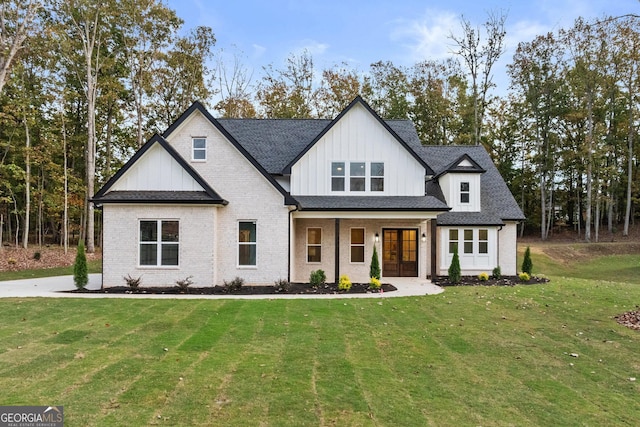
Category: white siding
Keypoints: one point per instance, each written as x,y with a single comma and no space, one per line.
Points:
358,137
508,249
450,184
156,170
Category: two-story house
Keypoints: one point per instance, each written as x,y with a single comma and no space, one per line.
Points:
267,199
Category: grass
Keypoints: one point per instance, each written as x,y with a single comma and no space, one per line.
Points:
488,356
94,266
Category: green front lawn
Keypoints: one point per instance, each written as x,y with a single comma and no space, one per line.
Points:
94,266
471,356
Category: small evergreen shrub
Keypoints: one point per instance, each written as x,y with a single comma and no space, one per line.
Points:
37,256
282,285
317,278
454,269
233,286
344,284
374,268
133,282
524,276
483,276
527,265
496,274
185,283
80,271
374,283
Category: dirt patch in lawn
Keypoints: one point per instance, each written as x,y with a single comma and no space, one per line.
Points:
35,258
293,289
630,319
584,252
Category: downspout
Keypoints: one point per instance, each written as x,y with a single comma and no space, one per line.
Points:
498,244
289,244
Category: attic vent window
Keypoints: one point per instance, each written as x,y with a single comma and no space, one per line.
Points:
464,192
199,149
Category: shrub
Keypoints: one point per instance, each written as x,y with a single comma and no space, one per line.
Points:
37,255
344,284
11,261
483,276
496,274
454,269
80,272
374,269
282,285
234,286
374,283
524,276
185,283
133,282
527,265
317,278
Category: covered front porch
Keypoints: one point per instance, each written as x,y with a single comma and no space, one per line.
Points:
342,243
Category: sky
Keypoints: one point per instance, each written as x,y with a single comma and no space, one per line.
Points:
361,32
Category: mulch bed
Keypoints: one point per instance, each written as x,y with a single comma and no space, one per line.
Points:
294,289
502,281
630,319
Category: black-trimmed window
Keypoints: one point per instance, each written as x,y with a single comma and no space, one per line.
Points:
159,243
247,243
357,245
314,245
337,176
199,149
464,192
377,176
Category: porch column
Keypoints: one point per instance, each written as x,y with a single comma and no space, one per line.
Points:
434,249
337,246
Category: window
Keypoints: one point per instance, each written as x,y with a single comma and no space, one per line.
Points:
357,173
468,241
337,176
377,176
483,241
247,243
357,245
314,244
453,240
199,149
464,192
159,243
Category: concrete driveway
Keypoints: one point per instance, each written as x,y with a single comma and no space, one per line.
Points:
55,287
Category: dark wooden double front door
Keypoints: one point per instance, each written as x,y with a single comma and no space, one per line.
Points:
400,252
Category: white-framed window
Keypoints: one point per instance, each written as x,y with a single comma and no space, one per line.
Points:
247,244
483,241
453,240
357,245
337,176
314,245
199,152
377,176
464,192
468,241
159,243
357,176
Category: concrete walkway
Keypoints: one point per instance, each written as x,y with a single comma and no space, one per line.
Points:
54,287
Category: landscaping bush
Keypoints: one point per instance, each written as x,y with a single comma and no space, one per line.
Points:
282,285
374,268
133,282
496,273
454,269
483,276
37,255
524,276
317,278
185,283
80,271
344,284
527,265
374,283
234,286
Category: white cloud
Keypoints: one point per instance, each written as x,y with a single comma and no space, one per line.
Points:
314,47
427,37
258,51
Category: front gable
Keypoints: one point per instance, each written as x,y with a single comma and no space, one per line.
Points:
372,159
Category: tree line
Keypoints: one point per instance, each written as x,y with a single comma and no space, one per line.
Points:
83,84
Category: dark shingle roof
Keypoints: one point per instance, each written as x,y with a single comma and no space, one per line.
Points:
198,197
497,201
371,203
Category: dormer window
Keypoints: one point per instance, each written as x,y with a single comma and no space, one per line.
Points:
199,152
464,192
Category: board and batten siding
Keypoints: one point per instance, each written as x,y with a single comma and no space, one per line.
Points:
156,170
450,184
358,137
251,197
